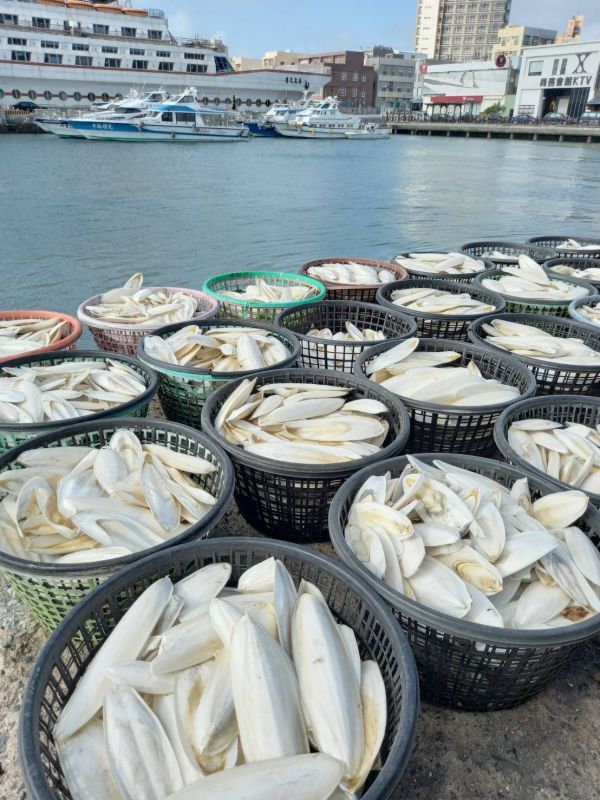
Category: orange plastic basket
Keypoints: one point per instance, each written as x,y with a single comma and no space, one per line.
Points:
67,342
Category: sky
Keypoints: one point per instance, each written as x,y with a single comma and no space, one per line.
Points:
250,27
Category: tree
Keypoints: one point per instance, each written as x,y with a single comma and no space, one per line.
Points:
497,108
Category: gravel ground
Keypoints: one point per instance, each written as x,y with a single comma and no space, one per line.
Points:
548,749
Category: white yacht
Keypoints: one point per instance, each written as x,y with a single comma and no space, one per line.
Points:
323,120
135,106
369,131
68,54
181,119
280,113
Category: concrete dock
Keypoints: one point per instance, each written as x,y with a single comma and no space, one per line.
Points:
584,134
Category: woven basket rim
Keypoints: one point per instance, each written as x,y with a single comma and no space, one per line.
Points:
164,368
289,276
531,319
293,469
502,637
529,301
454,344
93,322
62,344
581,239
101,569
574,312
395,268
513,413
79,355
499,243
454,287
575,261
487,265
397,312
401,746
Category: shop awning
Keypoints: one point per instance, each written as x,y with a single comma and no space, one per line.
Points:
454,100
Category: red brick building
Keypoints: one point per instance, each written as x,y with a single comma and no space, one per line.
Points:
351,81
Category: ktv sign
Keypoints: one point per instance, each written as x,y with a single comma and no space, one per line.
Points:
573,70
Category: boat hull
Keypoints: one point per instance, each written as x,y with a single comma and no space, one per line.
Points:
124,132
59,127
258,130
308,132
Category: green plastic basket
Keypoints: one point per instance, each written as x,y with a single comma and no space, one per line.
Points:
516,305
12,435
260,312
183,390
51,590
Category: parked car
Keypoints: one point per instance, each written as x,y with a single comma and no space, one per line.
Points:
556,118
26,105
524,119
493,118
468,118
590,118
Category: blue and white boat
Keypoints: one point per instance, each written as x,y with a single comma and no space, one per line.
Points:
279,113
181,119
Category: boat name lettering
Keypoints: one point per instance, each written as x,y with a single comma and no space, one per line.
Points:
105,126
290,79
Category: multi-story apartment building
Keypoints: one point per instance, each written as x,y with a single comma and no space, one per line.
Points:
513,38
573,32
352,81
459,30
395,73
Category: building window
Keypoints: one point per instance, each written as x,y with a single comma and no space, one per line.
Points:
18,42
62,96
194,56
52,58
110,49
165,66
155,34
355,76
81,47
196,68
47,95
40,22
563,66
20,55
363,77
555,64
77,97
32,94
344,76
163,54
9,19
16,94
139,64
113,63
535,67
343,91
83,61
50,45
354,92
135,51
91,97
101,29
363,95
105,97
131,32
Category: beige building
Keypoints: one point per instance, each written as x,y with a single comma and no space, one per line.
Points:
453,30
243,63
513,38
281,58
573,32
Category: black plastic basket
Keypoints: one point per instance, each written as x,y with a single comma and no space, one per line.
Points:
69,651
565,408
415,273
290,501
454,429
551,376
442,326
460,663
50,590
577,262
333,314
183,390
554,241
575,313
13,434
522,305
515,249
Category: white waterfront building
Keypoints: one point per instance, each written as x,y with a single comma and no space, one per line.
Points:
65,53
558,77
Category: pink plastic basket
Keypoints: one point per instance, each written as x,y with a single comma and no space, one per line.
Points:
114,337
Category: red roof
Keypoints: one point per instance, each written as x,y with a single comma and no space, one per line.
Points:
454,99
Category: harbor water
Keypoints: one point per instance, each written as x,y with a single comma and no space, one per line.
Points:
79,217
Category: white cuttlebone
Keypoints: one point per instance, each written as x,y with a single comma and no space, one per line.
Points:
214,722
436,585
284,597
539,603
186,645
140,676
160,500
374,705
367,547
199,588
124,644
349,638
488,532
524,550
328,684
165,708
435,535
305,777
182,461
259,577
482,609
373,514
560,509
584,554
265,691
94,554
392,356
236,399
140,754
473,568
84,761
